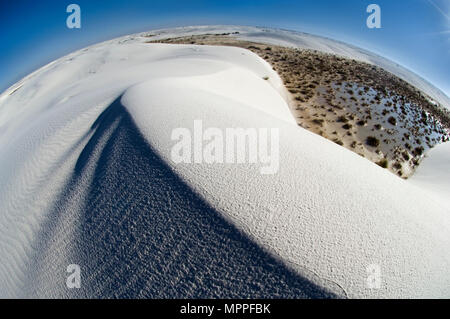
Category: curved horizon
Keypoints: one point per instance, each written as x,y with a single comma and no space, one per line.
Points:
413,34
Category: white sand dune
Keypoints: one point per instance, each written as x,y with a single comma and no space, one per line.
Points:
434,173
87,178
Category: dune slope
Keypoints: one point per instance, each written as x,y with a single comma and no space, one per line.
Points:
142,233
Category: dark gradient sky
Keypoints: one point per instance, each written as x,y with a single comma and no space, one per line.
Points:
415,33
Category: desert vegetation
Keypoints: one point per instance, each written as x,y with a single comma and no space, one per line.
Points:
356,105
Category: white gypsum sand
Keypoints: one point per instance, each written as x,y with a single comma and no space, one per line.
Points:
328,214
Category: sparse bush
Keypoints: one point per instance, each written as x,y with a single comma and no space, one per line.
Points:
383,163
347,126
361,123
418,151
392,120
342,119
405,156
372,141
318,121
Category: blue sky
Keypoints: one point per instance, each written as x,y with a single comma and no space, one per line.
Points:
414,33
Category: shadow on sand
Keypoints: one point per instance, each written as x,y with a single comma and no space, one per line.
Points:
138,231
